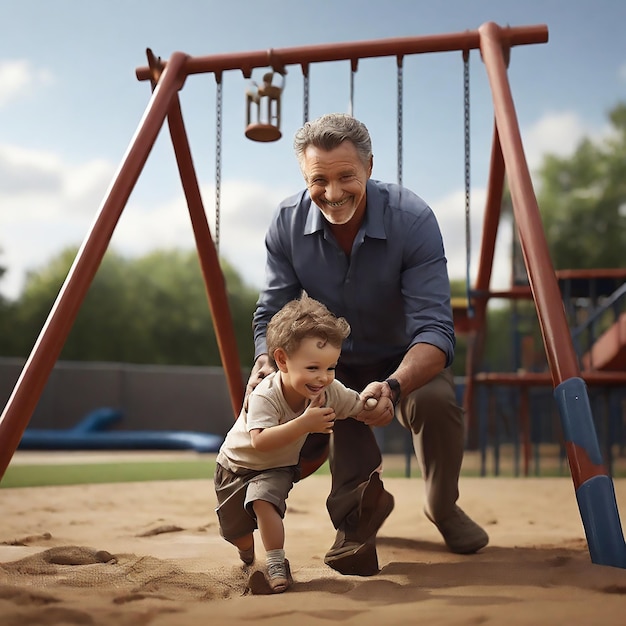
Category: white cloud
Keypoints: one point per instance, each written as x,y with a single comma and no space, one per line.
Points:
49,204
19,78
554,133
245,212
25,171
52,205
450,212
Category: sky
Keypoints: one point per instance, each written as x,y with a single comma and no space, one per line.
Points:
70,104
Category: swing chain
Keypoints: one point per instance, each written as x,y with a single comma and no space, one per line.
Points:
305,94
466,125
218,157
400,82
354,63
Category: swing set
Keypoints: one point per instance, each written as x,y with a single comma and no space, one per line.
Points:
593,485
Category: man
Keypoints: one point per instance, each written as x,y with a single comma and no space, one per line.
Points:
372,252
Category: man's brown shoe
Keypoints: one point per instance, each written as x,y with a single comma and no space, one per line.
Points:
461,534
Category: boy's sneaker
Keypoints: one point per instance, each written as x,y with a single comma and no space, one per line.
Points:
278,577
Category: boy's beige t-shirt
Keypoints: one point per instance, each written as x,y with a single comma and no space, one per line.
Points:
267,407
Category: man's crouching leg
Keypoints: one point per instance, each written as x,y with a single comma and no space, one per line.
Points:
354,550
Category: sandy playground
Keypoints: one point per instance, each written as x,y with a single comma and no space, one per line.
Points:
150,554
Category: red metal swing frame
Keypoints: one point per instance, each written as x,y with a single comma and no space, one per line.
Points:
168,77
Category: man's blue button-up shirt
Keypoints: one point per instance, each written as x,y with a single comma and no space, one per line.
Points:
393,289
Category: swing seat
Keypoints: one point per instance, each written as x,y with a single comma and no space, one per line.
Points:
263,132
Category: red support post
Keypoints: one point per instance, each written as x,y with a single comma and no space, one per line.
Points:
594,488
556,335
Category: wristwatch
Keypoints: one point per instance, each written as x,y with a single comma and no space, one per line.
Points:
394,385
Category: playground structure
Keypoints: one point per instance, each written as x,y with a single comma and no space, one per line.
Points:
514,405
92,433
593,485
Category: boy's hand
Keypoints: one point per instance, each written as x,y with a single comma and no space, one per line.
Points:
317,418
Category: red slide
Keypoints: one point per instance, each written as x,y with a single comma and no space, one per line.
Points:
609,351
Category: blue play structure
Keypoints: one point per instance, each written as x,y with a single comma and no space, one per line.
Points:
91,434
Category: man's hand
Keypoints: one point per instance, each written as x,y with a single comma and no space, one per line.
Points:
262,367
383,412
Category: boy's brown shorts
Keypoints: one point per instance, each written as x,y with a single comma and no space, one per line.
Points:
237,491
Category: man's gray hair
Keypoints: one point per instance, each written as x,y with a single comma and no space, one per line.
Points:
330,130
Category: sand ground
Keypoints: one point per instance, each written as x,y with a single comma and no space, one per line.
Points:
150,554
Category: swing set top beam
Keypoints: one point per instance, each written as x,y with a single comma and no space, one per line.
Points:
280,58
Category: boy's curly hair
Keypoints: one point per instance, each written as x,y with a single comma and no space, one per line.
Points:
305,317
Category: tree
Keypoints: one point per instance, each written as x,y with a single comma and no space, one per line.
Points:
148,310
5,313
583,201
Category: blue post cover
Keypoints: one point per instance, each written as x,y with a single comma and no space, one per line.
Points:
596,494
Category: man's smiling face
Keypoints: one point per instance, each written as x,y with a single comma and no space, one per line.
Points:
336,180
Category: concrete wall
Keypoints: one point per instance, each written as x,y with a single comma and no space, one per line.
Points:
151,397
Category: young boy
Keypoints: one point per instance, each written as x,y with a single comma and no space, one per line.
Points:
258,461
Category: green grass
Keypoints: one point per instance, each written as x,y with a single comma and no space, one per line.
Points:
44,475
39,475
